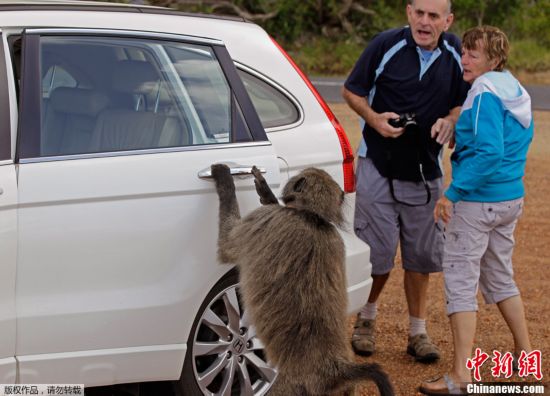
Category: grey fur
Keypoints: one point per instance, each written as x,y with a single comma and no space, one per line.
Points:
291,267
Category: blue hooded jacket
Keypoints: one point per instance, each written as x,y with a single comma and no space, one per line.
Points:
492,135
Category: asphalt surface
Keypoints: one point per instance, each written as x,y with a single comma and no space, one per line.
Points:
330,88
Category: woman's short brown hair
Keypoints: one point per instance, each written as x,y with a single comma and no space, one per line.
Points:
495,43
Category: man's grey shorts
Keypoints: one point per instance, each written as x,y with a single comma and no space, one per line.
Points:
479,241
382,223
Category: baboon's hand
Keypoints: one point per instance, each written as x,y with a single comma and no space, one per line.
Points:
222,176
262,188
220,171
258,178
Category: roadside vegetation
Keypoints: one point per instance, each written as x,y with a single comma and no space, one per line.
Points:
325,37
324,56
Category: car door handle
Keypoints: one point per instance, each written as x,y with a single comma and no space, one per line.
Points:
236,170
1,191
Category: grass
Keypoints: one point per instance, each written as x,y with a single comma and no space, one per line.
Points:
529,56
323,56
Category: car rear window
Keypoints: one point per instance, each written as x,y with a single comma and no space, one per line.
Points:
274,108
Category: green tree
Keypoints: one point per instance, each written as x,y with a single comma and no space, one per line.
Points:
520,19
327,36
291,20
534,22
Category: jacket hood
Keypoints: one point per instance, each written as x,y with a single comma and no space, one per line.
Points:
507,88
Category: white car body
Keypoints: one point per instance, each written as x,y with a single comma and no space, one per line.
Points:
105,260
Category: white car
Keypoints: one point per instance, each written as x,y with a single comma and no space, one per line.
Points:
110,117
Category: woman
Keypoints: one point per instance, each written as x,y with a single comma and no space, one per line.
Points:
484,201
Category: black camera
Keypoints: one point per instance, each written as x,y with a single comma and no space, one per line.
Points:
403,121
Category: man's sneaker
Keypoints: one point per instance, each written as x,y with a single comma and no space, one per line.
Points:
362,340
423,349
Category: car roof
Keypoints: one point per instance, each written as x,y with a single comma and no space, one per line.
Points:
81,5
248,43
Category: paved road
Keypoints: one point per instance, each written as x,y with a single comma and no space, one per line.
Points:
329,88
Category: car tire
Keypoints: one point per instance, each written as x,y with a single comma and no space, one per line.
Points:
224,356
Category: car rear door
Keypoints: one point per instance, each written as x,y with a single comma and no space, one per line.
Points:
118,216
8,228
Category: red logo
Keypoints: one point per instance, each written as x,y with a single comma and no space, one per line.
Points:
503,364
530,363
527,364
476,362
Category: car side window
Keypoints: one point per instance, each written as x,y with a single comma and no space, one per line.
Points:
107,94
274,108
56,77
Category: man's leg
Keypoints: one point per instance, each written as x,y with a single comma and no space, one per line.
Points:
421,250
376,224
363,340
378,283
416,292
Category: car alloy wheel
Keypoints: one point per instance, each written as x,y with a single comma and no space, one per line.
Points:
226,355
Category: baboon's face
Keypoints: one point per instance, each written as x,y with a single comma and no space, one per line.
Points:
315,190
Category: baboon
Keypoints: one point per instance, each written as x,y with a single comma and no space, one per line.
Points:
291,268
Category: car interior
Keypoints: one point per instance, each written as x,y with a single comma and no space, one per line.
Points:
104,94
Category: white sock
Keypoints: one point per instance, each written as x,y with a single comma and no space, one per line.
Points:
369,311
416,326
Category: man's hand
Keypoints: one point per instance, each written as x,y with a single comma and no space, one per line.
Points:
379,121
443,209
443,131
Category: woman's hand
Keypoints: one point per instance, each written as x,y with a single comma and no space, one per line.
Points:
443,209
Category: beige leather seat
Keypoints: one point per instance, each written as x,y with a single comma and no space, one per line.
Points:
70,119
137,123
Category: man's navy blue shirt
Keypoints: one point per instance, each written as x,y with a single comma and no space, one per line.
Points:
391,74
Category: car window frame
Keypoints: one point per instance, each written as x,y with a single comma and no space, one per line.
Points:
279,88
5,126
244,131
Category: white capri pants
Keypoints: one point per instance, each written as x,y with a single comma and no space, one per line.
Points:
479,242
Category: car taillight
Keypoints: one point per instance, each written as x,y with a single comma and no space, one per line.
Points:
347,152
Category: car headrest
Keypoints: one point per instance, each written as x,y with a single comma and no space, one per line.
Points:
78,101
193,68
135,77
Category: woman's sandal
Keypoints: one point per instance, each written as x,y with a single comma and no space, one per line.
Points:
451,387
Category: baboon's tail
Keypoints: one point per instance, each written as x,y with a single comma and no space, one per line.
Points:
357,372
